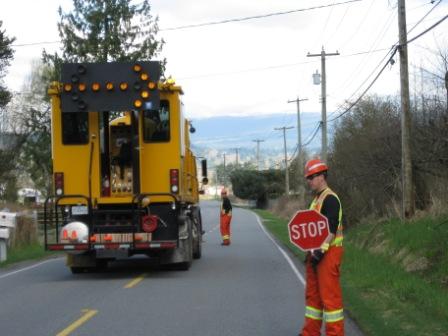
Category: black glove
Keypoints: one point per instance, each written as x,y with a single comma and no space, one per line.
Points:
316,257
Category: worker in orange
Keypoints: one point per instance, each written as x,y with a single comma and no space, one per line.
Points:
225,218
323,290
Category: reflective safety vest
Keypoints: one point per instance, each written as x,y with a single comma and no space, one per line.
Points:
316,204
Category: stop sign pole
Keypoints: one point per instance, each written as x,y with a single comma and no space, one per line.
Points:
308,229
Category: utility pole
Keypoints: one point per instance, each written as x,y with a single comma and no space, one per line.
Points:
299,140
286,157
258,152
224,175
406,163
324,99
446,87
236,157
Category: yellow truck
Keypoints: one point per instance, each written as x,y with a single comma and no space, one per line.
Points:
125,178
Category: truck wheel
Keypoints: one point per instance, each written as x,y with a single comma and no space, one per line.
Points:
183,266
197,242
197,234
77,270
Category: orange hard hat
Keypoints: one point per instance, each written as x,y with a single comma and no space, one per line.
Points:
223,191
315,166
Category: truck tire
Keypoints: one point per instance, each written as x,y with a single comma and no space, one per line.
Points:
78,270
197,234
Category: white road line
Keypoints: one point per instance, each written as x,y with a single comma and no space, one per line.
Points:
27,268
288,259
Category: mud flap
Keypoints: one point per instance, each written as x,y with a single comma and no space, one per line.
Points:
182,256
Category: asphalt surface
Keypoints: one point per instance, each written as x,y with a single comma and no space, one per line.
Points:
253,287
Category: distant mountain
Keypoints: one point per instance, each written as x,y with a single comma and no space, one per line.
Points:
218,135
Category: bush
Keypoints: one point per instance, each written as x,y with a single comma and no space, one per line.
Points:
365,160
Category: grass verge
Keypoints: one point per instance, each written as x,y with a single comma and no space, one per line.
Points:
380,294
21,253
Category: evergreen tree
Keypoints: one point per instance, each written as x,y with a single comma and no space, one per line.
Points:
104,31
6,55
7,141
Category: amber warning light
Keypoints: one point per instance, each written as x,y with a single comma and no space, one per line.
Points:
112,86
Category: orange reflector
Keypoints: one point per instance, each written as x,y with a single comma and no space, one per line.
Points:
108,237
138,237
137,103
151,85
95,86
82,87
67,87
145,94
137,67
74,235
109,86
93,238
64,234
123,86
144,76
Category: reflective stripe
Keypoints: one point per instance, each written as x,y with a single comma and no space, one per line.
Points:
316,165
226,237
313,313
334,316
316,204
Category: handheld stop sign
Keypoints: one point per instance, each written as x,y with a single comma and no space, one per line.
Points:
308,229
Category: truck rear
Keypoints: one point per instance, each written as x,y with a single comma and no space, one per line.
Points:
125,178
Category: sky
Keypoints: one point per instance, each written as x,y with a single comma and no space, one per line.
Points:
253,67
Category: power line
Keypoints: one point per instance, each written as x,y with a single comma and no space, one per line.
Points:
427,30
395,49
367,89
34,43
338,26
326,23
429,12
273,66
319,124
256,16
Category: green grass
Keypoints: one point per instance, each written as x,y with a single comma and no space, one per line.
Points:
278,227
22,253
379,294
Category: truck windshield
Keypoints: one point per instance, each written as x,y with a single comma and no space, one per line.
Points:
156,123
75,130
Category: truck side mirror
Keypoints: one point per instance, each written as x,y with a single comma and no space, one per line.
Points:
204,171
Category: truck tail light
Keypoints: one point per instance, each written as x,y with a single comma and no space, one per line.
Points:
174,180
59,183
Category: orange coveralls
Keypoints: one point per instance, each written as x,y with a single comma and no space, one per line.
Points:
323,291
225,218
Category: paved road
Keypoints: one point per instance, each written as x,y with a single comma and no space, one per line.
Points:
249,288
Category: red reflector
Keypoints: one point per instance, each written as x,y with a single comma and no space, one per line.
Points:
59,183
149,223
174,180
155,245
62,247
55,247
167,245
141,245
